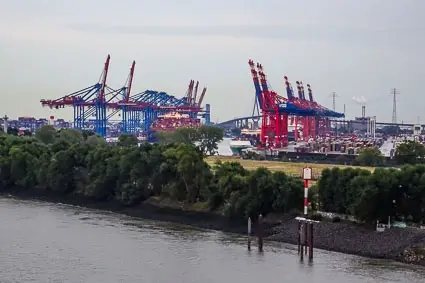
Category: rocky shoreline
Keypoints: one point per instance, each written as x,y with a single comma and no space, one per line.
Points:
404,245
394,243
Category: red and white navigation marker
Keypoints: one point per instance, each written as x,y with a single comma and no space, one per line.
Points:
307,175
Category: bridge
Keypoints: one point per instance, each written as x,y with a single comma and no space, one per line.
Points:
252,122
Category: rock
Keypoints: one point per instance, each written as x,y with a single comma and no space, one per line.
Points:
356,239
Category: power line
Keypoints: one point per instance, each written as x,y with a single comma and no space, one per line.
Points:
394,92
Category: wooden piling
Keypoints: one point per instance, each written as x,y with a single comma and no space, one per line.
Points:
305,236
302,242
260,233
299,237
249,233
310,244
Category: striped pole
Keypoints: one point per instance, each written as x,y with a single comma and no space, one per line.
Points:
305,197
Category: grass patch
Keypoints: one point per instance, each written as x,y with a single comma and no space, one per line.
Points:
287,167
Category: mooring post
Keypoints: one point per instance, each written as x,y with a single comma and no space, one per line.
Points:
260,233
249,233
302,234
310,242
306,236
299,237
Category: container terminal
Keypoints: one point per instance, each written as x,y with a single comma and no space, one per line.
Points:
292,124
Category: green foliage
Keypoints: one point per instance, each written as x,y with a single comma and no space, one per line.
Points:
80,163
370,157
46,134
398,193
126,140
410,152
206,138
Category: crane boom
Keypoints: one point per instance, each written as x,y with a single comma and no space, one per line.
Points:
201,98
289,90
258,90
310,93
302,90
130,82
104,76
300,94
189,92
193,101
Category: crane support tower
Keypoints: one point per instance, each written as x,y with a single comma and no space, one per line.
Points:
95,105
276,111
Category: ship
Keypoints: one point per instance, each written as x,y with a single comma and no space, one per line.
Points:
238,144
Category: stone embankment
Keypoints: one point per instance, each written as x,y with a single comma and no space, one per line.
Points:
407,245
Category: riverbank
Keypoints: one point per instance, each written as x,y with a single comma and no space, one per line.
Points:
404,245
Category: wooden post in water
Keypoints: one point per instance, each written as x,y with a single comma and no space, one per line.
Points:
260,233
305,236
299,237
302,242
310,242
249,233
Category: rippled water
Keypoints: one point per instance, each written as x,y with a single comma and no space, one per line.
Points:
42,242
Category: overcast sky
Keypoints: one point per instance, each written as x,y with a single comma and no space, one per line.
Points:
49,48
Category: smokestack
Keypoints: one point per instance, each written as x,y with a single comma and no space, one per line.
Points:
5,124
52,121
363,111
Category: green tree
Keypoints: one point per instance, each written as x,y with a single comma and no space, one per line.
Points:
70,136
370,156
190,168
12,131
126,140
46,134
95,140
410,152
209,137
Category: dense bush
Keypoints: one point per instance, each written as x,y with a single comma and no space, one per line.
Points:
71,162
398,193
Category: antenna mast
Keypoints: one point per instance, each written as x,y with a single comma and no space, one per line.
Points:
394,92
334,96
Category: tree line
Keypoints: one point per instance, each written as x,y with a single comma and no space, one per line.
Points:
71,162
398,193
80,163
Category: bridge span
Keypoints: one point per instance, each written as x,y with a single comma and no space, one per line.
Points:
252,122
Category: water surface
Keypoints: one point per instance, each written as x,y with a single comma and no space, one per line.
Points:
42,242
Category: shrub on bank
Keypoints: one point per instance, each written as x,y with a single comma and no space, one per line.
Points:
398,193
68,162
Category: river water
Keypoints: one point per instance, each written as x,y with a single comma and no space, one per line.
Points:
224,147
44,242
